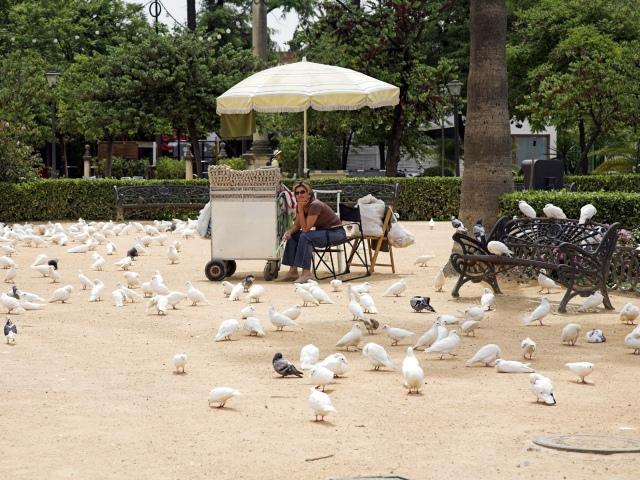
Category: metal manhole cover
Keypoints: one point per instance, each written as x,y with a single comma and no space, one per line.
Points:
590,443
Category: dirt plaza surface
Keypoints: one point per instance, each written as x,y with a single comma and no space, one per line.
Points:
89,390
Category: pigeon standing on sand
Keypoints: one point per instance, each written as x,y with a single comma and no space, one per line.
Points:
439,280
309,356
431,224
320,376
632,340
236,291
336,285
284,367
412,372
377,355
247,282
247,311
253,326
488,299
487,355
528,347
10,331
279,320
427,337
293,312
591,302
570,333
420,303
255,292
97,291
445,346
469,326
337,363
61,294
539,313
542,388
221,395
396,334
629,313
582,369
423,260
352,338
320,404
396,289
306,297
179,362
545,282
226,329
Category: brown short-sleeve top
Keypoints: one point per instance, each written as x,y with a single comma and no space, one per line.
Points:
327,218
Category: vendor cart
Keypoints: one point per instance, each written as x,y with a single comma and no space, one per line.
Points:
249,215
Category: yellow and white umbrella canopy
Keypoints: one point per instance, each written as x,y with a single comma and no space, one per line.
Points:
296,87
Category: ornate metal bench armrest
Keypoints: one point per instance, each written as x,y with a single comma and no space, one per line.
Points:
469,245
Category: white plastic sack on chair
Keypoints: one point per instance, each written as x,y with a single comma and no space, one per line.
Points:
372,215
399,236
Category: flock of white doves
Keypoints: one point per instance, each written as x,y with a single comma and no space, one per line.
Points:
438,339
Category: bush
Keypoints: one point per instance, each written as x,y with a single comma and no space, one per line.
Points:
322,153
436,172
17,160
237,163
169,168
122,167
69,199
615,166
612,207
629,182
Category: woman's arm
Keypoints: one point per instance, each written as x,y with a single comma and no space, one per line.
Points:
305,221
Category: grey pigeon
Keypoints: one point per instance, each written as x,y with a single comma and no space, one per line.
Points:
457,224
10,327
247,282
284,367
420,303
478,232
15,293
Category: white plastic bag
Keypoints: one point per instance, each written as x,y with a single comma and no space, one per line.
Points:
204,221
372,215
399,236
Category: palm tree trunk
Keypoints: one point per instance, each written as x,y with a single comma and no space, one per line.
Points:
487,142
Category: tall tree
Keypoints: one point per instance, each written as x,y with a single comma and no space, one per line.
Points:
487,161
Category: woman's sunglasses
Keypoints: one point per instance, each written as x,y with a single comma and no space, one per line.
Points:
300,192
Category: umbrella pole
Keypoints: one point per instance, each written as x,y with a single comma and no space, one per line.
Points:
304,142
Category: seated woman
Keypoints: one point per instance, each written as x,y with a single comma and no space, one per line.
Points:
316,225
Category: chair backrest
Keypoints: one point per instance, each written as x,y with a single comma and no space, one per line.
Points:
351,192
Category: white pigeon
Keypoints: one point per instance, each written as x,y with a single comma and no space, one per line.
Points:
320,404
396,289
253,326
431,224
364,287
84,280
439,281
469,326
6,262
582,369
226,329
423,260
337,363
368,304
551,211
526,209
160,303
320,376
227,287
632,340
179,362
111,248
446,345
542,388
377,355
221,395
539,313
336,285
293,312
30,297
172,255
587,212
474,313
445,319
27,305
427,337
124,263
43,269
279,320
61,294
487,355
309,356
546,282
320,295
498,248
570,333
306,297
591,302
236,291
84,248
40,260
118,297
174,298
352,338
356,309
98,262
412,372
132,278
9,302
54,274
629,313
147,289
11,274
396,334
158,286
255,293
528,347
512,366
487,299
247,311
97,291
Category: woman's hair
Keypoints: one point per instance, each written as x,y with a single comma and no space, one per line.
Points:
305,185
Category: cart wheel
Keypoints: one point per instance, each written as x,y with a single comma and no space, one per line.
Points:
215,270
270,271
230,266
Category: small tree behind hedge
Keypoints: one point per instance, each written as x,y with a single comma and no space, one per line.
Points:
17,160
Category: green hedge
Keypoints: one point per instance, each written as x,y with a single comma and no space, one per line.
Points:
628,182
69,199
612,207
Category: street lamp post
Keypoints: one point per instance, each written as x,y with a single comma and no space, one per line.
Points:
52,79
455,87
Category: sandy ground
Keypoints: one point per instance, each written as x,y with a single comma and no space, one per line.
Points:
89,391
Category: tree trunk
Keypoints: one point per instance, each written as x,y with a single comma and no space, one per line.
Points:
395,138
487,159
584,159
195,147
346,146
64,156
109,161
383,156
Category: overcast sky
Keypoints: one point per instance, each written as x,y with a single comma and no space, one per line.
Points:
178,9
